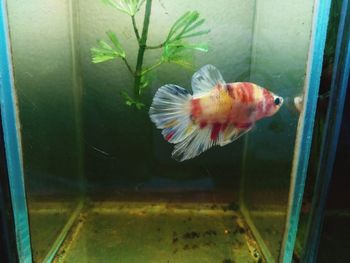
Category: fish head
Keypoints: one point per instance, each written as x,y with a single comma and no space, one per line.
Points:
274,103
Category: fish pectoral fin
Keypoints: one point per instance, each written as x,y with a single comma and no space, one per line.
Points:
232,133
205,79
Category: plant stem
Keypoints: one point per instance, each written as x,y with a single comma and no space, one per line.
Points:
155,47
152,67
128,66
142,43
135,29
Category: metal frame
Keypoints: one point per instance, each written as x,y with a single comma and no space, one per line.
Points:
13,142
8,248
340,83
305,127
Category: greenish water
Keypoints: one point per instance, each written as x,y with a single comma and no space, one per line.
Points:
81,142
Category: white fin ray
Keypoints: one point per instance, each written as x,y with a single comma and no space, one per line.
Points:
170,111
205,79
231,134
200,140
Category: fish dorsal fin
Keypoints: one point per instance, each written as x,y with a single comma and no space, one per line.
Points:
206,79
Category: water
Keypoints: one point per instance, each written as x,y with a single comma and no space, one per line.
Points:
100,171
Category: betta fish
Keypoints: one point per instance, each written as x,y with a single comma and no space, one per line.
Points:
216,114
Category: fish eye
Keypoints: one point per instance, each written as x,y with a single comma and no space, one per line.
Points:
277,101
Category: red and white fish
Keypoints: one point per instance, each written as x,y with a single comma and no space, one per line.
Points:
216,114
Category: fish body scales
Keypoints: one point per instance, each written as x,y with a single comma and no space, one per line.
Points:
235,103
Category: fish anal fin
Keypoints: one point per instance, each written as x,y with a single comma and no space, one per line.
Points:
203,138
215,130
246,125
193,145
232,133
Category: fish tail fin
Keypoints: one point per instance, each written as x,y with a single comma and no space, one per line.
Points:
170,111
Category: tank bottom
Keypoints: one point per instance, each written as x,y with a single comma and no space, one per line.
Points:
111,231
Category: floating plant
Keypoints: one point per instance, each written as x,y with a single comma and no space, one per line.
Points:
175,47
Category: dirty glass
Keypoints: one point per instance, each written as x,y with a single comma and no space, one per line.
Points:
45,84
279,58
99,173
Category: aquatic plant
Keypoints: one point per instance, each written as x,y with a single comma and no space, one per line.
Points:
175,47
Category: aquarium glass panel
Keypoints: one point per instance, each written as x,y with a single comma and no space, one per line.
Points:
279,58
123,147
46,90
86,75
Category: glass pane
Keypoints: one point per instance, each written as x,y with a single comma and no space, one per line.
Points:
279,59
305,225
128,162
45,86
82,128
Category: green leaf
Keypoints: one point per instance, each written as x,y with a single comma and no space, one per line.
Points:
105,52
196,34
112,36
144,83
110,2
131,102
195,25
177,53
182,53
178,23
101,58
190,21
139,105
203,47
146,80
102,53
177,48
185,27
103,45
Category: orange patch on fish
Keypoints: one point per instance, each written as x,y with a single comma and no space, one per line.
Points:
196,108
215,131
248,89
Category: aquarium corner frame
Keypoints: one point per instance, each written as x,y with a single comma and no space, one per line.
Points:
305,126
340,84
12,141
